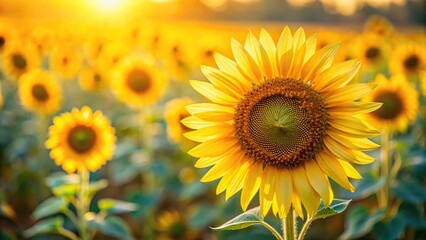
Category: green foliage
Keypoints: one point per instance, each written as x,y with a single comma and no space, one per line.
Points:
50,225
365,187
360,221
337,206
49,207
116,206
111,226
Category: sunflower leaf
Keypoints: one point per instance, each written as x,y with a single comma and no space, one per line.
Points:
111,226
336,207
116,206
50,225
50,206
247,219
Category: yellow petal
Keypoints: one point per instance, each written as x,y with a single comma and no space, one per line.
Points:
267,188
298,39
197,123
251,184
347,93
297,205
332,168
320,61
284,192
223,81
307,194
297,63
354,108
245,62
270,48
336,76
361,144
210,133
213,94
229,68
222,167
214,147
319,181
350,170
311,46
257,52
237,183
352,126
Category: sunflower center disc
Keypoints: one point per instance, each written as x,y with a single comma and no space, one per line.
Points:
372,53
39,92
411,63
19,61
97,78
392,105
81,138
138,80
281,123
2,41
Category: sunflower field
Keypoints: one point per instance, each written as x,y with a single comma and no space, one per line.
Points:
211,120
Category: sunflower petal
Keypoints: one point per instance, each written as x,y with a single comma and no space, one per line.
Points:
318,181
307,194
270,48
223,166
214,147
284,190
267,188
223,81
336,76
332,168
212,93
245,62
210,133
229,67
257,52
350,170
238,181
320,61
197,123
347,93
251,184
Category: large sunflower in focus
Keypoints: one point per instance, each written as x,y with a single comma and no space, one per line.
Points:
283,119
81,138
408,59
400,103
138,83
40,92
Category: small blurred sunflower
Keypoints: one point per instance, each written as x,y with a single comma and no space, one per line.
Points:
174,113
40,92
66,59
171,225
283,120
400,103
44,38
408,59
92,79
373,52
378,25
20,57
112,54
138,83
81,138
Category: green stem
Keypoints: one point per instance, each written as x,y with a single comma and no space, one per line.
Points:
71,216
289,226
68,234
305,228
384,170
82,208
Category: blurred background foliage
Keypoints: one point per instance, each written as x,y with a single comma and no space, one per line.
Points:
150,167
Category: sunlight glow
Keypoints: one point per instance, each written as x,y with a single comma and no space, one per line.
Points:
109,5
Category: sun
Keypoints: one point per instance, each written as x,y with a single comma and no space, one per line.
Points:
109,5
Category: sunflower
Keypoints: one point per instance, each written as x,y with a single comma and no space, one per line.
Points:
92,79
400,103
40,92
66,60
408,59
373,52
283,120
20,57
378,25
174,113
138,83
81,138
171,225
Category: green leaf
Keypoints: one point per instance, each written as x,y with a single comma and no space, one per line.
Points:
365,187
111,226
410,190
247,219
50,225
336,207
66,190
95,187
412,215
60,178
389,230
50,206
116,206
359,222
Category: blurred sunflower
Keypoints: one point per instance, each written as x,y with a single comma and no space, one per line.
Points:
44,38
283,120
40,92
111,55
174,113
92,79
20,57
7,33
81,138
138,83
66,60
408,59
400,103
378,25
373,52
171,225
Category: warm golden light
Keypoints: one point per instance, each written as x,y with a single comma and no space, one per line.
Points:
109,5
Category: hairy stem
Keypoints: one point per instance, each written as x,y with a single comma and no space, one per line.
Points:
289,226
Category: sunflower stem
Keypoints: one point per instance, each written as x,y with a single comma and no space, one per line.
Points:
305,228
384,170
82,207
289,226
